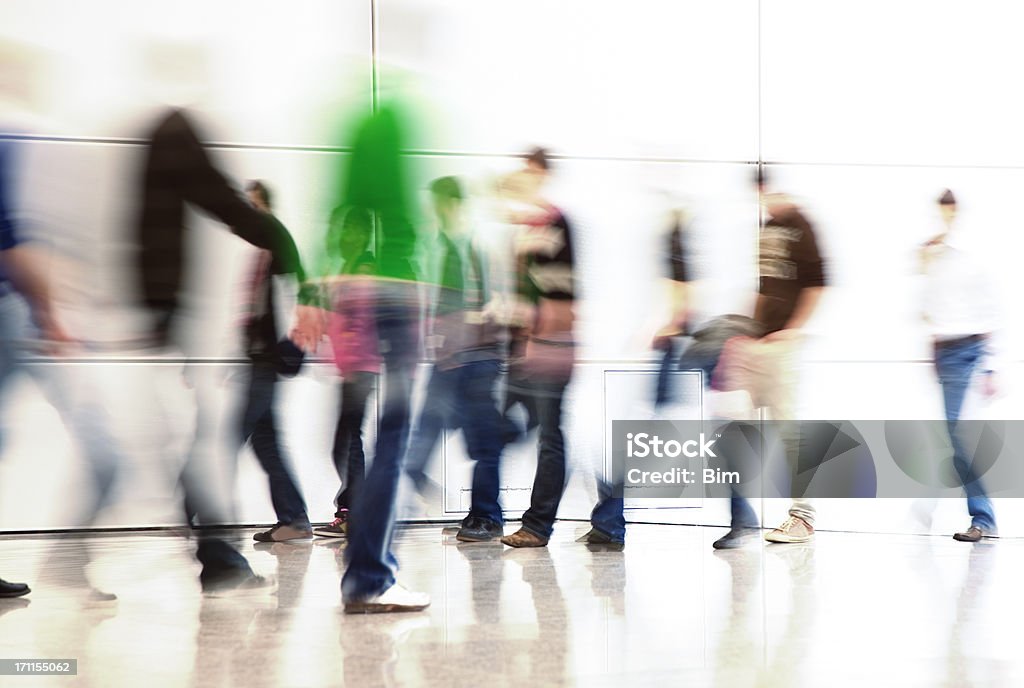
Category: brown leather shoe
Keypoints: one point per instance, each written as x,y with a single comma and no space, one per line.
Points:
972,534
282,533
524,538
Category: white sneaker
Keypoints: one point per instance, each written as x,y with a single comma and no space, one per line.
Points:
394,599
793,529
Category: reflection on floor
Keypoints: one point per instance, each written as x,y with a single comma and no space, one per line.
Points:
849,609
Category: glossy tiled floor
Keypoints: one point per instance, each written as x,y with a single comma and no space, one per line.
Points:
849,610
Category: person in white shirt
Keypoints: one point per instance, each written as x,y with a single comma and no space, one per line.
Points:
961,314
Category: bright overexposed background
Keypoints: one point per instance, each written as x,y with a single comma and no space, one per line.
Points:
863,113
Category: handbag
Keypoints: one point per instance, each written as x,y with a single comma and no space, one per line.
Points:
289,358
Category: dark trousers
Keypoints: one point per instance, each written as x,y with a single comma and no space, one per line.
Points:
349,457
371,563
549,482
260,429
463,397
518,397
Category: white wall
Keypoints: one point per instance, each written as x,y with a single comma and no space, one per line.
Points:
863,113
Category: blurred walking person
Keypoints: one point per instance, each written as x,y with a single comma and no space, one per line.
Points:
375,177
608,520
271,354
177,173
793,277
467,346
962,315
545,350
22,280
28,314
353,335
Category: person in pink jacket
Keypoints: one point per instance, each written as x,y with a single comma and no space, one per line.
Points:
353,336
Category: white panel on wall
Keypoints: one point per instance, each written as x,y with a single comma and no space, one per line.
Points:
655,78
917,82
870,223
261,72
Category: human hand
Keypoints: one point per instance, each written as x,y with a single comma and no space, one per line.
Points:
51,332
663,337
990,385
310,324
787,335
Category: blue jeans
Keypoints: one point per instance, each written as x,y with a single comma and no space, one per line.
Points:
371,564
664,390
260,429
955,364
741,514
463,397
608,516
549,481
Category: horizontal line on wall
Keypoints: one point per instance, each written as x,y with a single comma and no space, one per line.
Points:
416,152
895,165
582,361
226,145
426,153
116,141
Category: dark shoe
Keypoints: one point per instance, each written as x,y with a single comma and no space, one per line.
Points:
524,538
338,528
736,537
972,534
479,530
602,540
241,584
283,533
13,589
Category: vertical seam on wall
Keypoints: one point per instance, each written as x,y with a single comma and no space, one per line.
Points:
760,159
379,396
757,285
373,56
760,156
